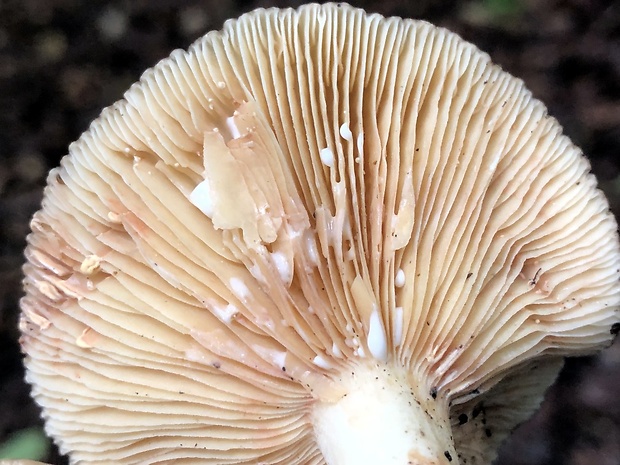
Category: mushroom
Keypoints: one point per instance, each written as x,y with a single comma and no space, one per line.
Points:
318,236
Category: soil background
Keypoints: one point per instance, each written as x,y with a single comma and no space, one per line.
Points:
62,61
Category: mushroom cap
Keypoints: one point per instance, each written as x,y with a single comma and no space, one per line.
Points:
303,193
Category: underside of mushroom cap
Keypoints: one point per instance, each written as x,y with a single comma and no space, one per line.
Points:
303,197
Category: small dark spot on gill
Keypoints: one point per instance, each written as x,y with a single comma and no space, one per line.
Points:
463,418
434,392
448,456
469,275
615,329
534,280
283,368
478,409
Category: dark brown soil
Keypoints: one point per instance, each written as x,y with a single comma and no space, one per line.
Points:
62,61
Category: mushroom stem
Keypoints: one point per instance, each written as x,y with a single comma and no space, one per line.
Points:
383,418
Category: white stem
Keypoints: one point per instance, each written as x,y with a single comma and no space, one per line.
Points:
383,418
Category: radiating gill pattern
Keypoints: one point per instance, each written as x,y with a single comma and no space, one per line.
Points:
305,192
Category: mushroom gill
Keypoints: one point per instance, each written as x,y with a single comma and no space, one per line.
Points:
315,234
